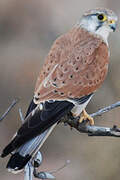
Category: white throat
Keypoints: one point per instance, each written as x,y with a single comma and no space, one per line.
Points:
90,26
104,33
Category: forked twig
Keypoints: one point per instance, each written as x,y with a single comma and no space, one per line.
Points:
9,109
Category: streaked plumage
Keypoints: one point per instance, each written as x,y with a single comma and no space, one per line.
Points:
74,69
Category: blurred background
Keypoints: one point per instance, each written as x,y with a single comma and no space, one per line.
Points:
27,31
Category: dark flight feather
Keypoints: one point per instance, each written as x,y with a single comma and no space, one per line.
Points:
37,122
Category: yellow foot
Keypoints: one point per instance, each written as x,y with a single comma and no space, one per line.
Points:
86,116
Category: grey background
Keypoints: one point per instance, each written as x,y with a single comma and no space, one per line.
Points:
27,31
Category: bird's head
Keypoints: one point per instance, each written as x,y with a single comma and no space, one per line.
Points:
100,21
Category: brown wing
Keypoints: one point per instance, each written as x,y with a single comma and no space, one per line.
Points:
75,66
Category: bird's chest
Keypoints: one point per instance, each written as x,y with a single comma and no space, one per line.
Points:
93,70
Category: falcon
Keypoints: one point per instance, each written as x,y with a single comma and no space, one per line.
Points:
74,69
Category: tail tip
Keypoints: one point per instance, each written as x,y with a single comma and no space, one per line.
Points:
14,170
17,162
2,155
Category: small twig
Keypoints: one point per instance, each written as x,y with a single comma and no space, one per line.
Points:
28,172
9,108
43,175
21,115
62,167
106,109
31,169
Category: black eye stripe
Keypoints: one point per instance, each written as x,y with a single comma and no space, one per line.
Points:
97,14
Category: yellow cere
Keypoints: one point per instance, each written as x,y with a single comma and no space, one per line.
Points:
112,21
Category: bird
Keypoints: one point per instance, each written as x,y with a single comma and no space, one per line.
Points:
74,69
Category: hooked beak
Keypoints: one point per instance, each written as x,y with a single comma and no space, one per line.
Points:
112,24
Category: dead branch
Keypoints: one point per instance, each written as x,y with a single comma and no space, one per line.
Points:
94,130
9,109
84,127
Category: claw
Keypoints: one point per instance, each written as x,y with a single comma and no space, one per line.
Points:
86,116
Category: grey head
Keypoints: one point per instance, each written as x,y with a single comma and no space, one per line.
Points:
100,21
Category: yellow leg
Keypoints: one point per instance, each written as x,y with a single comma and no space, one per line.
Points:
86,116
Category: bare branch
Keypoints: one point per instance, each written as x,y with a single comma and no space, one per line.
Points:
82,128
94,130
9,108
106,109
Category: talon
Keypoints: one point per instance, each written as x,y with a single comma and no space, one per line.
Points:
86,116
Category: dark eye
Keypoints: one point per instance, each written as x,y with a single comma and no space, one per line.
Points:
102,17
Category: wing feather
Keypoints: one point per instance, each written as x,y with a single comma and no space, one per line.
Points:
76,66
